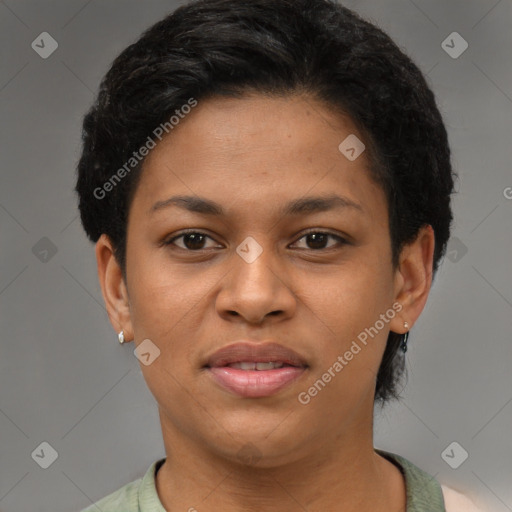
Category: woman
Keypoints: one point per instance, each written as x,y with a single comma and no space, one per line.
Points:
268,186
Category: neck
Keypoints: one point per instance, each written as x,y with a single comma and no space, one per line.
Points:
345,475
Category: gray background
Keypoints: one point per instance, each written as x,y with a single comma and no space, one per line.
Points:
64,378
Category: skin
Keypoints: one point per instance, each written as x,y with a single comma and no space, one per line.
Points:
252,156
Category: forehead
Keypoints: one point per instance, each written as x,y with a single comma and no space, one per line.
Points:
262,149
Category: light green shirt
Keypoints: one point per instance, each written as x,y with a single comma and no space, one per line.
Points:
424,493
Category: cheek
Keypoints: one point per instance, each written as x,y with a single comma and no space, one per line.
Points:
162,296
343,311
351,298
172,306
169,310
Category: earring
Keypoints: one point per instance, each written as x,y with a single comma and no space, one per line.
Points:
120,337
403,343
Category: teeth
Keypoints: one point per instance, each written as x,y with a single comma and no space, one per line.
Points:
256,366
244,366
268,366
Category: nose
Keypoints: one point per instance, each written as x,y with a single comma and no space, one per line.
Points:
256,289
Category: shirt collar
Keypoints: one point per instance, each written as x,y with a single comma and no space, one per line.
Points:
148,496
424,493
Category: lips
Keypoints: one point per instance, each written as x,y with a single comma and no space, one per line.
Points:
255,370
249,352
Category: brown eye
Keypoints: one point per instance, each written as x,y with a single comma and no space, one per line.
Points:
317,240
192,241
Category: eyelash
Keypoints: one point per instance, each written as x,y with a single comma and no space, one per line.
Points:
341,240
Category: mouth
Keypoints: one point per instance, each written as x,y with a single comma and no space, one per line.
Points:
255,370
259,365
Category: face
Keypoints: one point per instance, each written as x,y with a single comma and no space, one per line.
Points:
311,278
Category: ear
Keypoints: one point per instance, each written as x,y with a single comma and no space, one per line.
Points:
113,287
413,279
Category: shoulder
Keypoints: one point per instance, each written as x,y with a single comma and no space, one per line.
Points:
423,490
458,502
125,499
137,496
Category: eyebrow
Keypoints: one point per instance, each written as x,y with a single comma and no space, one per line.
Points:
302,206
